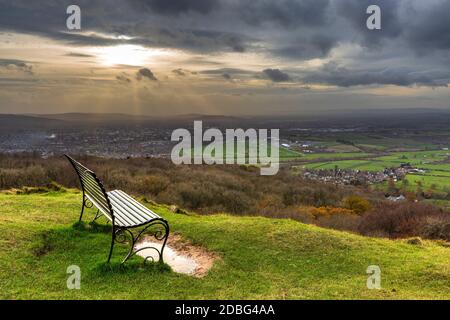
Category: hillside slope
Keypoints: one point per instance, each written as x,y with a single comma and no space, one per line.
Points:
260,259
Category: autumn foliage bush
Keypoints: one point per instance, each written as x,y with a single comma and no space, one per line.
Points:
326,212
406,219
357,204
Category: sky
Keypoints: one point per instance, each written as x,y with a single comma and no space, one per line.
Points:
228,57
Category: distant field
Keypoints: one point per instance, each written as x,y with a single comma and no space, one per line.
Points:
438,173
417,157
335,155
421,159
379,142
429,182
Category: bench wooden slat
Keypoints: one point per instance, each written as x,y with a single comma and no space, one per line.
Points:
97,194
132,205
121,208
124,205
138,205
100,207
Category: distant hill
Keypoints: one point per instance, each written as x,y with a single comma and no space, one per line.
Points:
421,119
120,119
95,117
12,122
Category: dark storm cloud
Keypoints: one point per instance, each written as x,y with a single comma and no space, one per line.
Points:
230,71
123,78
19,65
145,73
340,76
286,13
413,33
48,18
316,46
196,40
79,55
221,24
183,72
179,72
354,11
430,29
276,75
177,7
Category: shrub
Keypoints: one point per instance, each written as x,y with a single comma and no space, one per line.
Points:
437,228
153,184
405,219
322,212
357,204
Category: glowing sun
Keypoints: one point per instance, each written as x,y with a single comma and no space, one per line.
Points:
132,55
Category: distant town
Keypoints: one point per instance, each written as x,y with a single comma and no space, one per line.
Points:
103,142
360,177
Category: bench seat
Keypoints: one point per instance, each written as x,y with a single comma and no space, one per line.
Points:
127,211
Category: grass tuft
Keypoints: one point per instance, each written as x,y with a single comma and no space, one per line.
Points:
92,227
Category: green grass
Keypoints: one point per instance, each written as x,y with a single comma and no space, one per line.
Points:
260,258
429,182
417,158
421,159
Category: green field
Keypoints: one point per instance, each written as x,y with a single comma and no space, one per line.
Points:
260,258
429,182
416,158
332,156
420,159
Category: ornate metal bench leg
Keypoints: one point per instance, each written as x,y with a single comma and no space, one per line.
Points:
166,237
82,207
112,245
97,215
86,204
161,233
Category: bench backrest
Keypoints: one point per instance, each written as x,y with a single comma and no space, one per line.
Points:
93,188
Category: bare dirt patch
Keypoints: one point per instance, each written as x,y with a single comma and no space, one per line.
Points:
183,256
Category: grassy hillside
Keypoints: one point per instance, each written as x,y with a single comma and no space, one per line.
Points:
260,259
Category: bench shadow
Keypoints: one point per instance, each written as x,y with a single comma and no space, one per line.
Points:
132,266
135,264
55,241
92,227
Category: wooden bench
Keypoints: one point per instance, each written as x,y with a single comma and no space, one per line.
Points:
125,214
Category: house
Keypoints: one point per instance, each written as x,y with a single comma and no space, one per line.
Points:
396,199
